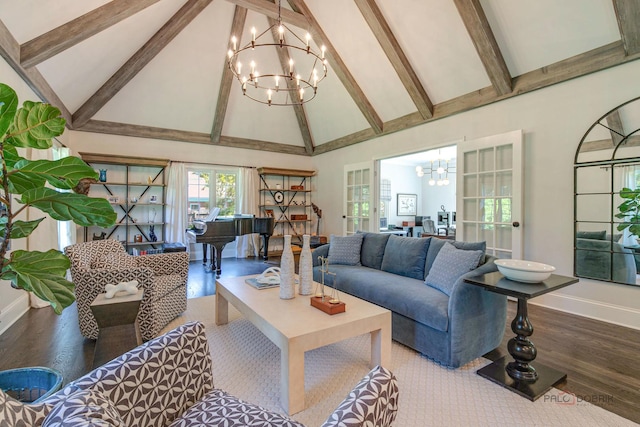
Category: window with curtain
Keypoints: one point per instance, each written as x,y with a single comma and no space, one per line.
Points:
209,188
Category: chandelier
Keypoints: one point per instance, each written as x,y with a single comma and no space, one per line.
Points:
293,83
439,170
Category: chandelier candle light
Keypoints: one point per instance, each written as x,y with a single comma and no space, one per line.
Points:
296,85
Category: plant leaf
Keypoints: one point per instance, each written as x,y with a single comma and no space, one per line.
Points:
64,173
22,229
11,156
35,124
42,273
81,209
8,107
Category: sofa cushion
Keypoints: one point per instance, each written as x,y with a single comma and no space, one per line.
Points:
116,261
437,244
218,408
372,251
345,250
449,265
403,295
405,256
83,408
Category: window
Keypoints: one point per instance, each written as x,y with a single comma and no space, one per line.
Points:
210,188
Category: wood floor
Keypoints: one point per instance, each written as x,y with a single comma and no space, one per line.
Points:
601,359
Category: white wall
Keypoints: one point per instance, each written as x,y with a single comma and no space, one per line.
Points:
433,197
403,180
553,119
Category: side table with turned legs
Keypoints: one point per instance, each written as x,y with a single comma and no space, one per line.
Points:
520,375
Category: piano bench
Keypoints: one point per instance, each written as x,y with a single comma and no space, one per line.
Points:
174,247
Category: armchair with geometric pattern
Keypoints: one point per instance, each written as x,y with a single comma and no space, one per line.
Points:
163,278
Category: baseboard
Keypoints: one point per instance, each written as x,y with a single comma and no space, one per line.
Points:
13,312
611,313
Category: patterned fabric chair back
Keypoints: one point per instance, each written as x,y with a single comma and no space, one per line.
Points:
84,255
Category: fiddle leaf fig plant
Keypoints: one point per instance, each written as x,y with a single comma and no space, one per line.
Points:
629,211
28,184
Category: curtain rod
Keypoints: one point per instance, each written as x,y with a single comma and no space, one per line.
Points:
215,164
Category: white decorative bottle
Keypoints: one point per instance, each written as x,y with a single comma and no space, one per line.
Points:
305,268
287,271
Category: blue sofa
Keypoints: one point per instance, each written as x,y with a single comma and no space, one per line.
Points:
453,327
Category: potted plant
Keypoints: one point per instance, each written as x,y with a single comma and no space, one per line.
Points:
629,211
26,183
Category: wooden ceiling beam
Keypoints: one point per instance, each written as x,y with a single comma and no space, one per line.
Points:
479,30
339,67
139,60
606,144
628,16
381,30
616,129
237,25
10,51
269,9
254,144
139,131
298,109
598,59
150,132
73,32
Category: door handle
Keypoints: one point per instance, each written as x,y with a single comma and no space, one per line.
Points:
516,224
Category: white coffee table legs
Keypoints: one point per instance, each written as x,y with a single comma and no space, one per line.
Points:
291,378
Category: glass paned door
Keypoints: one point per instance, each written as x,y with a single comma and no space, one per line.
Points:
358,198
490,203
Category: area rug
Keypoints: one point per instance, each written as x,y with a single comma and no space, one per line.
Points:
247,365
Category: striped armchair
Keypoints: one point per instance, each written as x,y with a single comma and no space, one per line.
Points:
163,277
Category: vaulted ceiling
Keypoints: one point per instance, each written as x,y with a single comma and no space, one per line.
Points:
157,69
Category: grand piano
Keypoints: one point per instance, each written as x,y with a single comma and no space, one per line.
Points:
219,232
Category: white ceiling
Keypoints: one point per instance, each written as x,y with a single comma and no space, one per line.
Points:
179,88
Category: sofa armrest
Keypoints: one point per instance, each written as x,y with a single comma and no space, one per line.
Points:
374,399
318,252
477,318
18,414
171,372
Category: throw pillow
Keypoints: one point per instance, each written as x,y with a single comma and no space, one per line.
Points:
405,256
345,250
596,235
85,407
449,265
116,261
372,252
437,244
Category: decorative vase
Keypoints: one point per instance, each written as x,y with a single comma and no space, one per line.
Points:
287,271
102,177
305,268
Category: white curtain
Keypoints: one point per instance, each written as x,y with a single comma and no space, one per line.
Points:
67,232
248,245
176,209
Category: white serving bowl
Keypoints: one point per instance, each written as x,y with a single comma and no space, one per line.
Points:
524,271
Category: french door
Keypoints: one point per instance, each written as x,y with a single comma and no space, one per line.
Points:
489,196
358,200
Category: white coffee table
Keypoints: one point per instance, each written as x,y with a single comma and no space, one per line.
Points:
296,327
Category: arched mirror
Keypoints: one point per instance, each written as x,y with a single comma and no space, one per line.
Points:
607,198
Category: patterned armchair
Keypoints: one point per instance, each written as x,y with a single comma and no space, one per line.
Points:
163,277
169,381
